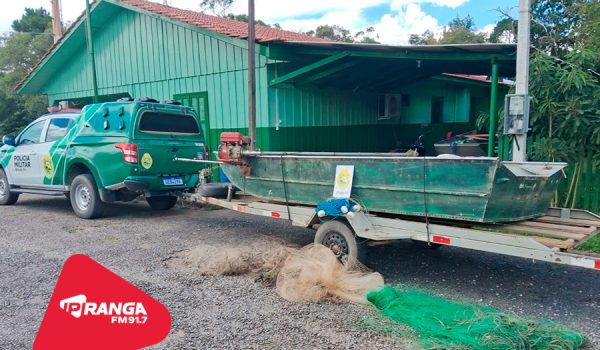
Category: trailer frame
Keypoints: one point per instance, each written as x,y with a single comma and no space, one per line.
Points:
492,238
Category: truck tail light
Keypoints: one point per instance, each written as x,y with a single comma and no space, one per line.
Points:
130,152
206,153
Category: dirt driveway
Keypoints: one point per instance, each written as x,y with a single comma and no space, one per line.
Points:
40,233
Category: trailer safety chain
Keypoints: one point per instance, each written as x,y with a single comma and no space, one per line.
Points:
285,193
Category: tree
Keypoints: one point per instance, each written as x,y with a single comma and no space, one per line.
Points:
32,21
218,7
505,31
460,30
427,38
244,18
366,36
20,51
553,24
334,32
339,33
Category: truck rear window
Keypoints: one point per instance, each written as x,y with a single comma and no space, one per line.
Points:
169,123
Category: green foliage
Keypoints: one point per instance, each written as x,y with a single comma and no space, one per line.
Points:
339,33
565,109
427,38
462,22
334,32
505,31
556,24
33,21
364,36
460,30
217,7
20,51
591,245
244,18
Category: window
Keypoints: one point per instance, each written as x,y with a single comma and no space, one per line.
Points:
32,134
58,128
169,123
437,109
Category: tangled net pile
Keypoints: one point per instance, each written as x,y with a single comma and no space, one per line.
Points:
310,274
227,261
442,324
314,273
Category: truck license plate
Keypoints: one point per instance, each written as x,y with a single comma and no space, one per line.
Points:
172,181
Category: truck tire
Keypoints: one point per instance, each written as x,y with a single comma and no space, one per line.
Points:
340,238
6,196
85,199
161,202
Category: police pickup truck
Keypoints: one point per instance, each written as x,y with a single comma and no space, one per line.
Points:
108,152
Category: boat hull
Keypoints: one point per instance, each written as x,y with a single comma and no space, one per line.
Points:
476,189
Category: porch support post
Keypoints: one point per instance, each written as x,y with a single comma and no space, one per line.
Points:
493,108
90,44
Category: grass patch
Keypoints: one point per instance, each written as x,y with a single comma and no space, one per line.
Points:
591,245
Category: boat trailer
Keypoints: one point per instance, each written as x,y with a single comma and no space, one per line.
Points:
551,238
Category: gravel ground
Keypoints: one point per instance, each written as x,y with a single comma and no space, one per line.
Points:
40,233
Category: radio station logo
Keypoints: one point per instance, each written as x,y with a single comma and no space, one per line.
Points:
129,312
93,308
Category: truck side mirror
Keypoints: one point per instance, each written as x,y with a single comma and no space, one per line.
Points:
8,140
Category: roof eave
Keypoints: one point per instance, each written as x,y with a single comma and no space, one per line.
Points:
21,87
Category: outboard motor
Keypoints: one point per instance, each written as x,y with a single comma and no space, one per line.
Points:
232,146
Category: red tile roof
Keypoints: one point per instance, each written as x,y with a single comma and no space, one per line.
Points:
231,28
225,26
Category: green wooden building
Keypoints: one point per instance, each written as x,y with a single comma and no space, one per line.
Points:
312,94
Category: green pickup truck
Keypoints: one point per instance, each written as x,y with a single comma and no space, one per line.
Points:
108,152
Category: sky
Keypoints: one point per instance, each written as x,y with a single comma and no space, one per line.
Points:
393,20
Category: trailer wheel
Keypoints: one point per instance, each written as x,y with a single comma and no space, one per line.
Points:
340,238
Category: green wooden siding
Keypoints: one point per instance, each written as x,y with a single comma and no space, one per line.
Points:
146,56
580,187
307,118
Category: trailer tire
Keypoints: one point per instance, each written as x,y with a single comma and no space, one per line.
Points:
341,239
215,189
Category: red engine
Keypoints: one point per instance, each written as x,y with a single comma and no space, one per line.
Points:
232,146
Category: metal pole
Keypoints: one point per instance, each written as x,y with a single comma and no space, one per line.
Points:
90,45
522,84
251,77
56,21
493,108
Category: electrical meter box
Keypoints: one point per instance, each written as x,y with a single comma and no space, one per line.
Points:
516,114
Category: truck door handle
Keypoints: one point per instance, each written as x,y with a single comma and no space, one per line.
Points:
32,154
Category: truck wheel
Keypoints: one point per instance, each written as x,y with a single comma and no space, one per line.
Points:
85,199
340,238
161,202
6,197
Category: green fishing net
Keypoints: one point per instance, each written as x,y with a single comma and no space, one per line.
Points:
442,324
